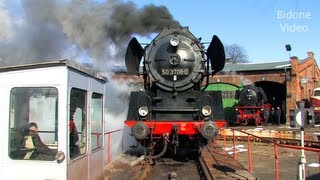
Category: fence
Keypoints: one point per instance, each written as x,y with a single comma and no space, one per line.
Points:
276,145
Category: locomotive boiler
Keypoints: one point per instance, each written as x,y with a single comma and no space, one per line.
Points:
252,107
174,110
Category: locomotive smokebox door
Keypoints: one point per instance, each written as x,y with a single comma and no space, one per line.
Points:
174,60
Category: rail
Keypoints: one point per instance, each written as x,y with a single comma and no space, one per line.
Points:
276,145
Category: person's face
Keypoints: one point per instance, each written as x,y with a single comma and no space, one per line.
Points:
34,128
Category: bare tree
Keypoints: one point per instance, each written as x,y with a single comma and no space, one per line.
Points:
236,54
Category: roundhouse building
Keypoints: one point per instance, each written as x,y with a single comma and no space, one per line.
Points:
284,82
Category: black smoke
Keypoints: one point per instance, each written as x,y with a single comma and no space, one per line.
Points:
60,29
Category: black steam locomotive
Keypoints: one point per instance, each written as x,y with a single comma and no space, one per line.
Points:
174,109
252,107
252,96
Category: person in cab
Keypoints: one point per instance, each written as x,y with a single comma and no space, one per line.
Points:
40,150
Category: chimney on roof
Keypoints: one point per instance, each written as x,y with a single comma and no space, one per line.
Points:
294,61
310,54
294,66
293,58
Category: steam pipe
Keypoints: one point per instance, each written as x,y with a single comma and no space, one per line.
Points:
162,152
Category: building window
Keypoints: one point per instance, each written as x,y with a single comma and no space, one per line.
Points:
33,123
228,94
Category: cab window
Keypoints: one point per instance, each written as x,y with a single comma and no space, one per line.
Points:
37,106
316,93
96,120
77,123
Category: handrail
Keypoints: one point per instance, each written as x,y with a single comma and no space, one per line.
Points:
110,132
109,142
276,145
279,144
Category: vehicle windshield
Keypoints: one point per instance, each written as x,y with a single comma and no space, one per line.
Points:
37,106
316,93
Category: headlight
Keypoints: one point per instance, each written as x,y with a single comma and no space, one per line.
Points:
206,110
174,41
143,111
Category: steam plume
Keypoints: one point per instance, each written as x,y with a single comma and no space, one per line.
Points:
60,29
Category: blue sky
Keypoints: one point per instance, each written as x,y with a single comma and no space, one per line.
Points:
262,27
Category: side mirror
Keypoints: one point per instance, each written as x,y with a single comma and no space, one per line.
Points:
60,157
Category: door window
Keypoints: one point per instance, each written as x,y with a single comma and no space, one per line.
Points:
77,123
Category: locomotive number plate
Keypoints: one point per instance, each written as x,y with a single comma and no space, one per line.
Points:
172,72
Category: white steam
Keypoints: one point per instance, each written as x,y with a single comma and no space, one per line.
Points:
78,29
5,23
90,31
117,101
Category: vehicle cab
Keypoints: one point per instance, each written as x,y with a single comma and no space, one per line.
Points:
315,100
63,99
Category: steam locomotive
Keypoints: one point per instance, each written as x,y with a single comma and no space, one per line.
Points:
174,110
252,107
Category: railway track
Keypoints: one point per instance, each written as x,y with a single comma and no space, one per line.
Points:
168,168
217,164
210,162
145,169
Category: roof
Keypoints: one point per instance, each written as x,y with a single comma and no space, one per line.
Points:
65,62
257,66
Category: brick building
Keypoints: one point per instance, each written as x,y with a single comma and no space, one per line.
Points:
284,82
